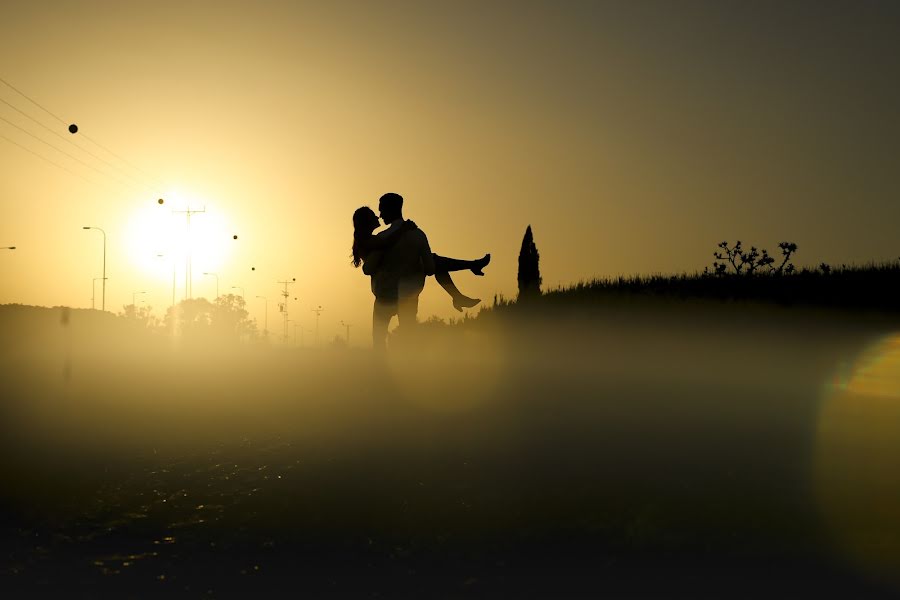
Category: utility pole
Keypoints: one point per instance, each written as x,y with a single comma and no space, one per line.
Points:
188,291
347,325
318,310
283,306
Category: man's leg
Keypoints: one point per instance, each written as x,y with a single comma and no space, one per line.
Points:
407,310
381,318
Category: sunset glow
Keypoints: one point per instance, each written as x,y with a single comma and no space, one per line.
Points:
158,236
460,299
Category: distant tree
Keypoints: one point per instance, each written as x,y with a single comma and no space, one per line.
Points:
139,316
529,268
198,318
751,261
230,318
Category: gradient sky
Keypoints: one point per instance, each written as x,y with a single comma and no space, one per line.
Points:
633,137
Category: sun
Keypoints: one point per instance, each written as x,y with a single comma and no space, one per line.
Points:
161,237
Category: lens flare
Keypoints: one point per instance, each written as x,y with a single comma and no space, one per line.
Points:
857,470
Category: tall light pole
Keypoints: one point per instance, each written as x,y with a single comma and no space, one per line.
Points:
104,264
237,287
9,247
94,290
347,325
216,275
267,315
318,310
133,299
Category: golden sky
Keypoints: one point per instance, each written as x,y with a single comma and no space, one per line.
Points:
632,136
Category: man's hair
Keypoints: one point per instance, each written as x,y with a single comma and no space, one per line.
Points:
391,202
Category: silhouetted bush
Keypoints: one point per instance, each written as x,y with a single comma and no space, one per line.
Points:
751,262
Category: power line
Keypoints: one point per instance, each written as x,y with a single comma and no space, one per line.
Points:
129,163
63,121
76,159
68,141
44,158
33,101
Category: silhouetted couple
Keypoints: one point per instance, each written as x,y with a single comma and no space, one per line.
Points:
398,259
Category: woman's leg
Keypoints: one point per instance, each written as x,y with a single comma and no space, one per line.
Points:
448,265
460,300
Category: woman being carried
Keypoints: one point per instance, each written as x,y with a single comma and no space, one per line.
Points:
368,250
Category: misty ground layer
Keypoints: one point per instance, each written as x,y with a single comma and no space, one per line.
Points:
663,452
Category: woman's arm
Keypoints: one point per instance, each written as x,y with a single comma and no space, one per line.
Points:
388,238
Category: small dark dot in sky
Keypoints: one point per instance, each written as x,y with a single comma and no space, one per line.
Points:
160,201
252,268
235,237
73,128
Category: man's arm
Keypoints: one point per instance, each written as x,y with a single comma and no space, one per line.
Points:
387,238
426,255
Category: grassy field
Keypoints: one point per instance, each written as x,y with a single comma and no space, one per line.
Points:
655,448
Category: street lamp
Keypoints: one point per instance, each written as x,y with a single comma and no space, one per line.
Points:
9,247
347,325
104,264
267,314
318,310
94,290
237,287
133,294
216,275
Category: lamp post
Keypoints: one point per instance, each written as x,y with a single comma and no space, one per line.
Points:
104,264
133,299
237,287
94,290
347,325
9,247
318,310
267,315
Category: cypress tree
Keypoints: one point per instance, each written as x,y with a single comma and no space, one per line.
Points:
529,269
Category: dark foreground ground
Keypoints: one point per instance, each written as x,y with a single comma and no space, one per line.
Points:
627,456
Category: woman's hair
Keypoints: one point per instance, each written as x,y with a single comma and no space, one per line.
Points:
362,220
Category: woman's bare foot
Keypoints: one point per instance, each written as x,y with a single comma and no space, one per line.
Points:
480,264
461,302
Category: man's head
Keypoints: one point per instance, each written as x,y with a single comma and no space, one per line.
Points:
390,206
